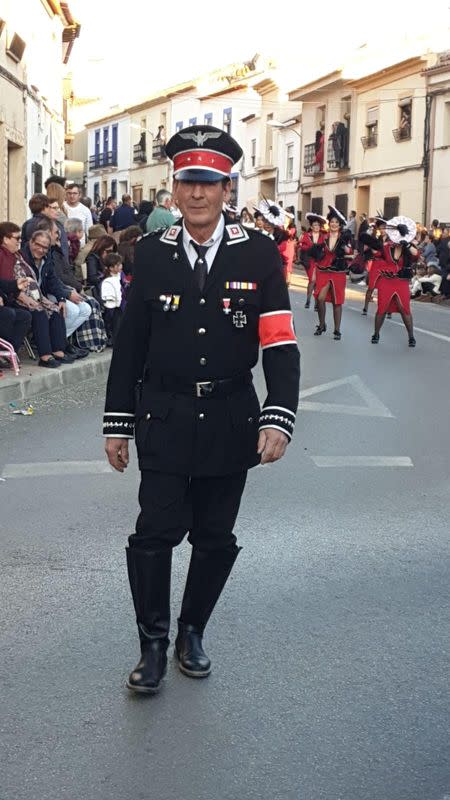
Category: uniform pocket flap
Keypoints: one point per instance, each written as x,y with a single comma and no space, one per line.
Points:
154,405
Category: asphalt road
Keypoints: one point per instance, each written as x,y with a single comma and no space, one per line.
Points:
330,644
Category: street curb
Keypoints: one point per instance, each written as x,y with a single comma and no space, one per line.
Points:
34,380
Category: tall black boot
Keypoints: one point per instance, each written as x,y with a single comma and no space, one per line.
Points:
207,576
149,574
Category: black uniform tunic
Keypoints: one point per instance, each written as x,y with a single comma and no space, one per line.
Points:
173,338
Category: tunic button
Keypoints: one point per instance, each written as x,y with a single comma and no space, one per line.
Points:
241,301
202,331
203,361
202,301
250,419
148,416
201,416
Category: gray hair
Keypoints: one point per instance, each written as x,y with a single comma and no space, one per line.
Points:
73,225
41,234
162,196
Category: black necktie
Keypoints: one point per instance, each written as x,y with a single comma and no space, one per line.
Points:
200,266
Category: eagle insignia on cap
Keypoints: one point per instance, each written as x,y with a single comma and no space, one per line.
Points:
200,138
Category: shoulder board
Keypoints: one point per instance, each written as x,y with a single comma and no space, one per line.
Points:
170,235
150,233
236,233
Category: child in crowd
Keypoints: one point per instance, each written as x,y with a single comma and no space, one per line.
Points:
111,291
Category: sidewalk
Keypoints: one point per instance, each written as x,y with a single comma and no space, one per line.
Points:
34,380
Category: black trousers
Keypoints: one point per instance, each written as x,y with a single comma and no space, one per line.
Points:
14,325
172,505
112,317
49,332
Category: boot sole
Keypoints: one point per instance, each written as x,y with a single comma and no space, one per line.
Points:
142,689
190,673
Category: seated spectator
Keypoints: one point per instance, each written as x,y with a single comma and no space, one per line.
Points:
14,322
111,291
429,282
427,248
75,234
47,322
416,285
37,253
95,232
95,263
124,216
127,243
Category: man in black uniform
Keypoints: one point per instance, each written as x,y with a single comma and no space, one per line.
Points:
206,294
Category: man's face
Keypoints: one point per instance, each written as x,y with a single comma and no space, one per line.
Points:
39,247
72,196
168,202
200,203
54,233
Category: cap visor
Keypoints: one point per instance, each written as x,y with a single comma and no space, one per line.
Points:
199,176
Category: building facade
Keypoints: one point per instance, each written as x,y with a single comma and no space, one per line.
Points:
108,157
437,141
33,49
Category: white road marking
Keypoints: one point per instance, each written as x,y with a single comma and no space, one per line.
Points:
362,461
440,336
373,406
40,468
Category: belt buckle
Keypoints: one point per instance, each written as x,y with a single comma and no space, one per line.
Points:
203,388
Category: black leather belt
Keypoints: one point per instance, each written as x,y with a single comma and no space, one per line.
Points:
171,383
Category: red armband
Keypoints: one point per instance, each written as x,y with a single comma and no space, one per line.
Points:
276,328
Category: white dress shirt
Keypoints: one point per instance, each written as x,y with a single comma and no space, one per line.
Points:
212,244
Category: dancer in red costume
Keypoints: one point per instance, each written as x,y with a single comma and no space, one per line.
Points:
395,273
376,262
315,235
331,276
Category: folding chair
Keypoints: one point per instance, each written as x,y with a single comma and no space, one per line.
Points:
7,351
29,349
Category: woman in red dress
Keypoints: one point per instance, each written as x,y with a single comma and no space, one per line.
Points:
376,262
397,256
331,276
315,235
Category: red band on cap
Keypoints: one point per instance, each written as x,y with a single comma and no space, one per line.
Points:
202,158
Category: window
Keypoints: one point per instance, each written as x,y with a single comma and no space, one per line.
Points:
36,177
143,124
317,205
115,134
97,147
341,203
404,120
208,118
227,120
2,26
16,48
105,145
253,152
96,192
234,177
391,206
371,137
193,121
446,131
290,162
178,126
152,194
114,189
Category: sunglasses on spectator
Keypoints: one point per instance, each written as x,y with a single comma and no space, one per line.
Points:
16,237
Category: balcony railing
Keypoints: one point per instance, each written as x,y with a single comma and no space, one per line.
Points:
371,140
139,154
312,161
335,160
158,150
402,134
100,160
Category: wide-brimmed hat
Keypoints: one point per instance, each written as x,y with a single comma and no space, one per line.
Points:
272,212
333,212
202,154
312,217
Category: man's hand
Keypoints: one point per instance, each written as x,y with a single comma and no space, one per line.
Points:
28,302
62,308
117,452
75,297
272,444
